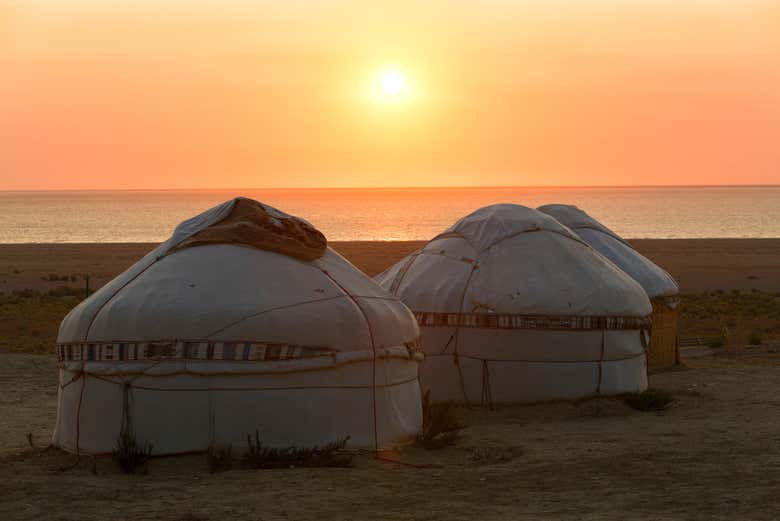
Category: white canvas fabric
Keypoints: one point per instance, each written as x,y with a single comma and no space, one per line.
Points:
204,345
514,307
655,280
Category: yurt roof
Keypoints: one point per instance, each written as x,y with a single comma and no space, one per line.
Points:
512,259
243,272
656,281
490,225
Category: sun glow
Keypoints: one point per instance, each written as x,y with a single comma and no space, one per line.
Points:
393,82
391,85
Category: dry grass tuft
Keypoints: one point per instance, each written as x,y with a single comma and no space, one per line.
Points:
649,400
441,425
220,459
130,454
329,455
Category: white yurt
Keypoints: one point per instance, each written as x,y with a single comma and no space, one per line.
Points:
243,321
657,283
513,307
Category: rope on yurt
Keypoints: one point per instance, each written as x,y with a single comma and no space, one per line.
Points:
127,424
601,359
399,277
81,375
455,336
377,454
645,340
487,393
86,337
373,358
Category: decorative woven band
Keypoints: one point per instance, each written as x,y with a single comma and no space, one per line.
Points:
512,321
186,350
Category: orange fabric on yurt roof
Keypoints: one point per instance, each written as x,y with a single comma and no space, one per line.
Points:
251,224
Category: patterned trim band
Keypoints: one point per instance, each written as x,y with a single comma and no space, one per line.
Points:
512,321
186,350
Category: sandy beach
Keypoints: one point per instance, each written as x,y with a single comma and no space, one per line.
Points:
713,454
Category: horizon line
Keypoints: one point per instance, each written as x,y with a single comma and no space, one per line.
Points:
421,187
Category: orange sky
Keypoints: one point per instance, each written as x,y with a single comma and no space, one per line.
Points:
240,93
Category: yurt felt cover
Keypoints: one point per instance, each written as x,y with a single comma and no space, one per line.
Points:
655,280
236,322
509,291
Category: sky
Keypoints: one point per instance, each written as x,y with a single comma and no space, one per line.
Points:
150,94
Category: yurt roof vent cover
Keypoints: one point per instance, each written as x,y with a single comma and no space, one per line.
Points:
253,224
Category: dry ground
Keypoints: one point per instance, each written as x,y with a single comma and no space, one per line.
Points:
698,264
39,283
715,454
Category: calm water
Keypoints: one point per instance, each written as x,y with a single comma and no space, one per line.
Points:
389,214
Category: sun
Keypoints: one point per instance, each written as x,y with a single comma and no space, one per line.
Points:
392,81
391,85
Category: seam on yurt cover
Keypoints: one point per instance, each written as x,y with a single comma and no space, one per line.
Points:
605,232
114,294
533,230
467,260
276,308
455,235
506,237
399,277
288,306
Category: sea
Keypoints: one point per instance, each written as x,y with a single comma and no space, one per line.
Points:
390,214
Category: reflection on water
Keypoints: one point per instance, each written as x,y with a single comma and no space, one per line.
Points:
389,214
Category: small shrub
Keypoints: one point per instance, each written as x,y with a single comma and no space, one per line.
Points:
441,426
329,455
755,339
220,459
130,454
649,400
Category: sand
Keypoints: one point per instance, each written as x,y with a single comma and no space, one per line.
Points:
715,454
698,264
